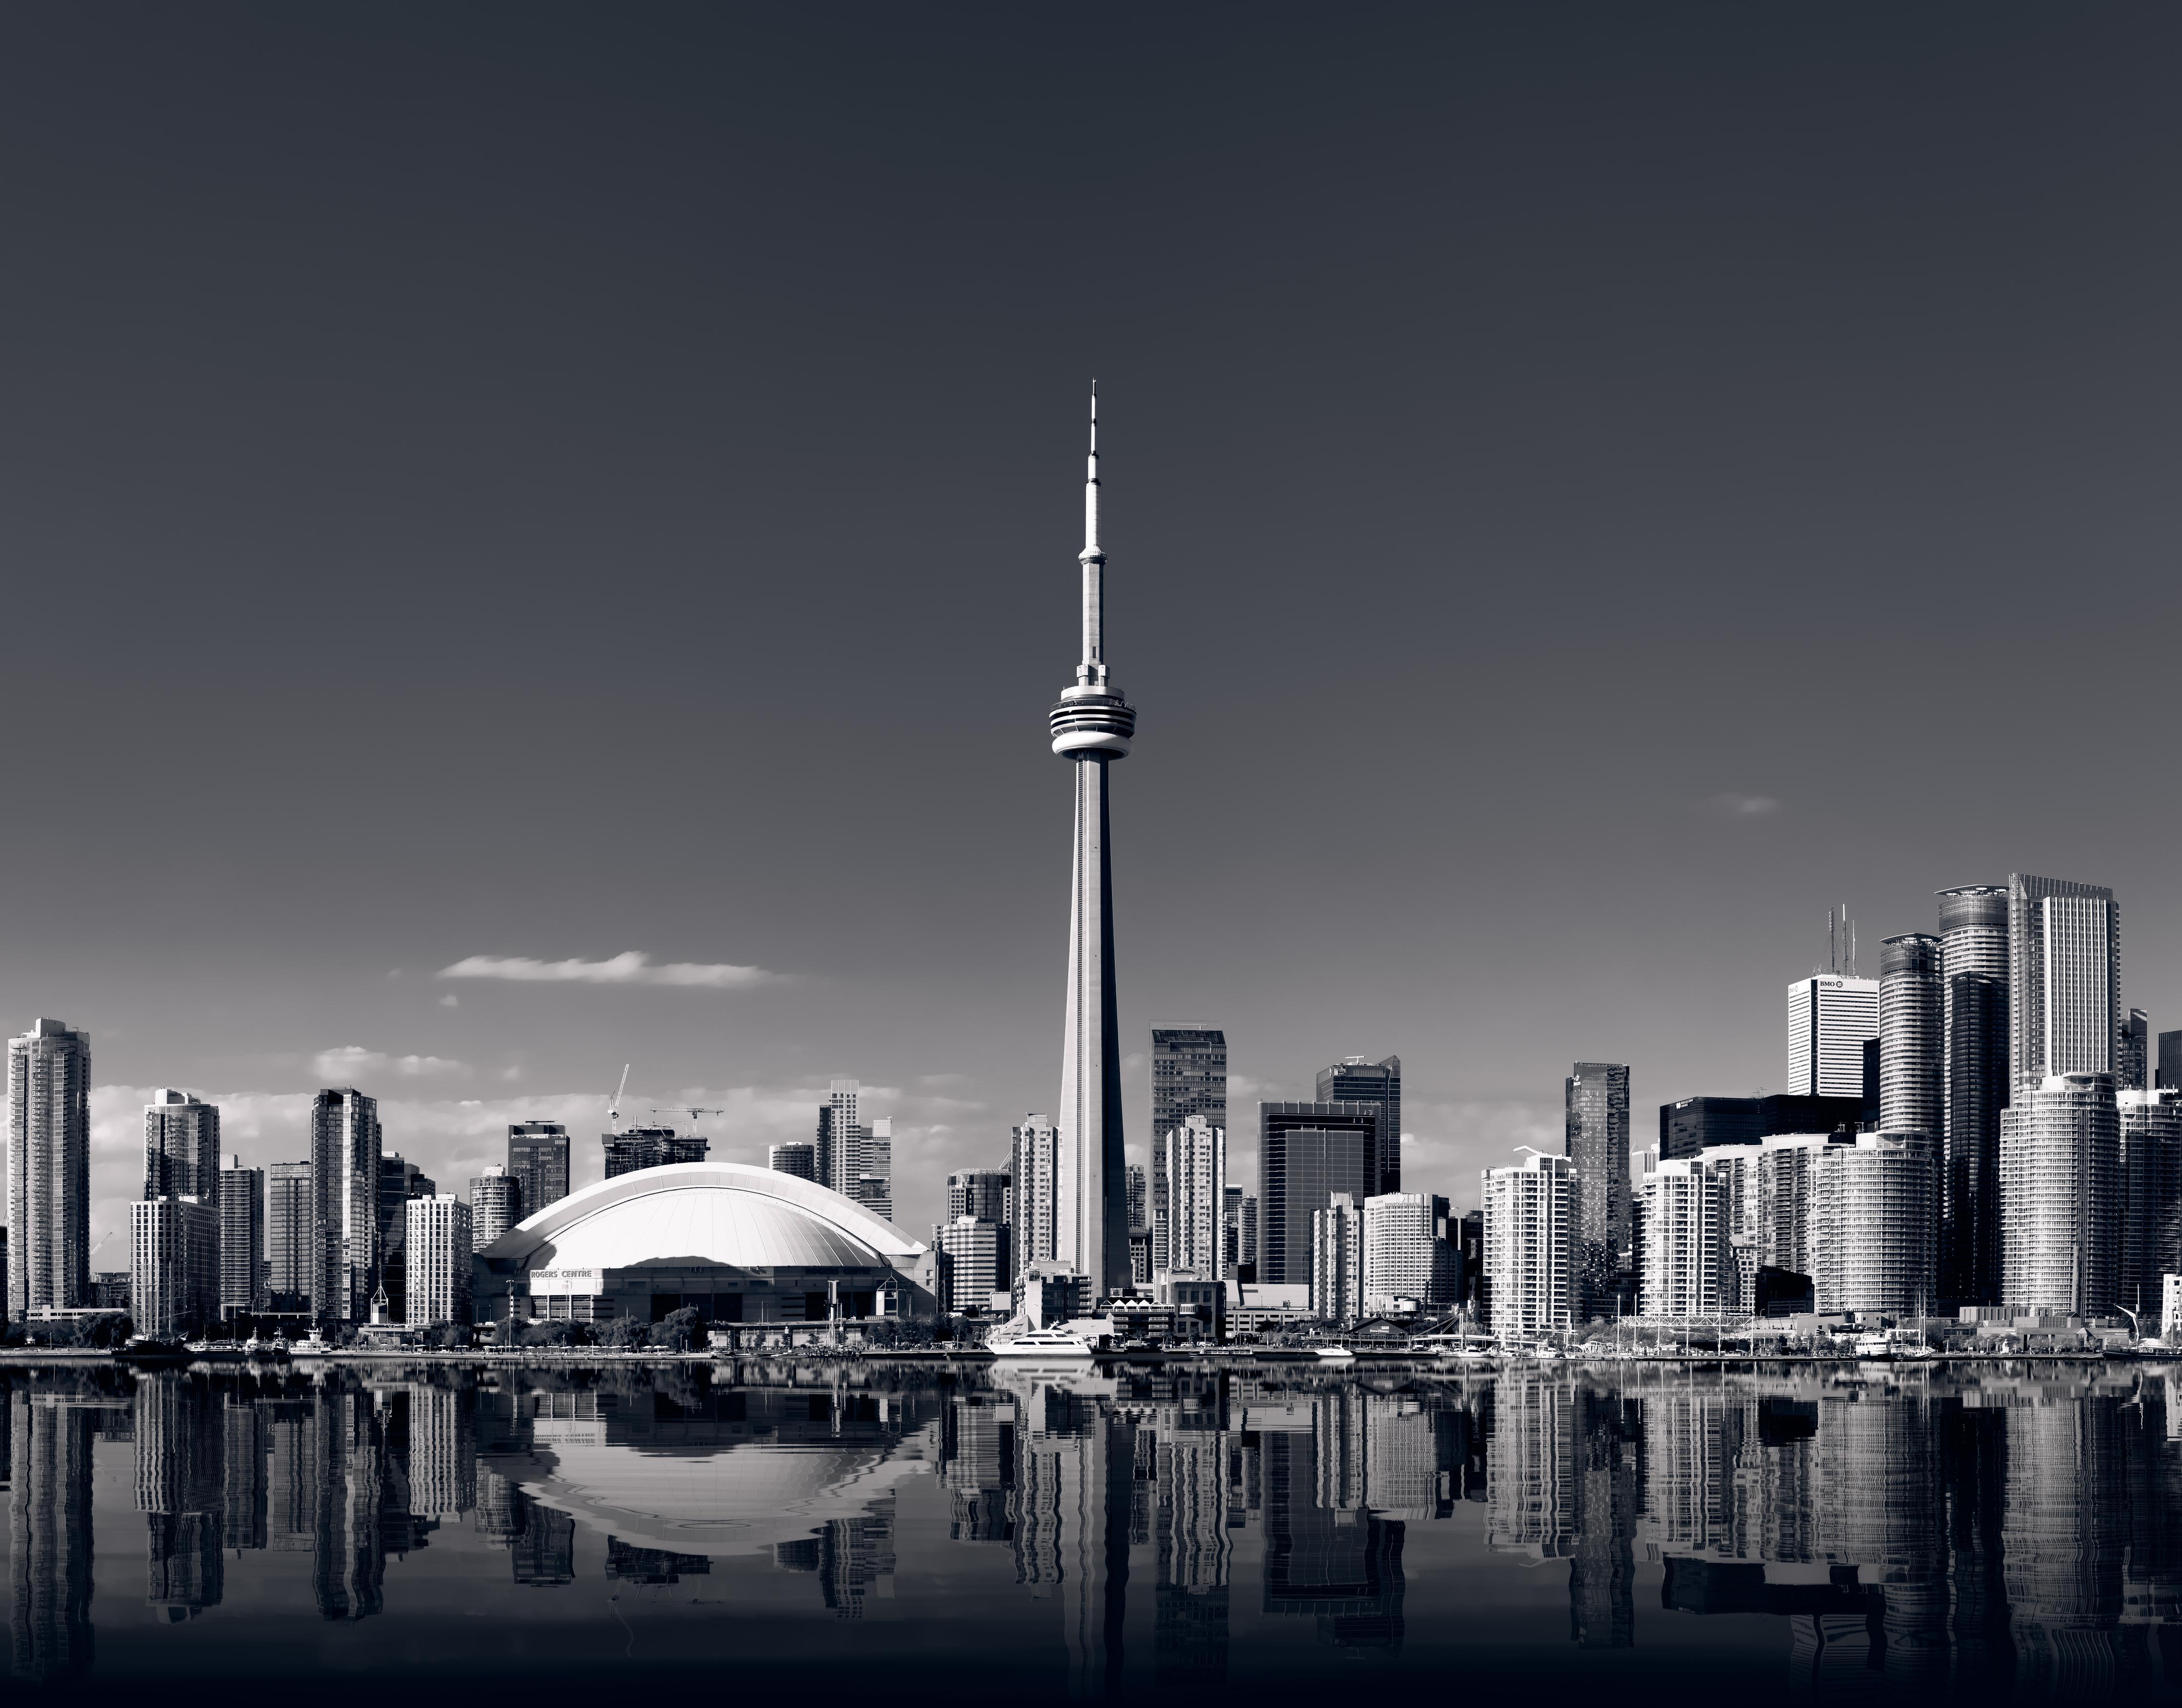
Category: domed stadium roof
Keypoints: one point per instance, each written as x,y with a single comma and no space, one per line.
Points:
702,1213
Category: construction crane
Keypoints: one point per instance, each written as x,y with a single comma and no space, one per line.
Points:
684,1108
614,1109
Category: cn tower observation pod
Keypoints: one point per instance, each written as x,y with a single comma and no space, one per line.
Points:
740,1244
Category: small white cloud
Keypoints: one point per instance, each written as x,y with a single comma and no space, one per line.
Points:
1732,805
629,968
451,1001
352,1062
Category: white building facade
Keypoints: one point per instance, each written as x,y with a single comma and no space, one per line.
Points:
437,1248
1683,1241
173,1266
1336,1259
1412,1252
1874,1222
1528,1231
1830,1017
1189,1163
2060,1197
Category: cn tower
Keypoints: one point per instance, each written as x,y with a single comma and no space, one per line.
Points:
1091,725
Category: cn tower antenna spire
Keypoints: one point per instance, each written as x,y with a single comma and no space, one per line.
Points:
1092,670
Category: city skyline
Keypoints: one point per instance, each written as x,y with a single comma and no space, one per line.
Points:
1920,429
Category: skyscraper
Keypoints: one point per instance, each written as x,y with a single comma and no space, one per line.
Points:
1352,1080
840,1138
2169,1071
1336,1259
1191,1164
2060,1196
982,1193
2150,1194
874,1184
1872,1218
650,1148
538,1156
438,1244
1595,1097
241,1239
344,1203
1139,1196
1912,1023
1307,1153
48,1167
1830,1016
1974,1089
291,1244
1529,1212
2064,977
1190,1076
399,1182
1033,1187
173,1270
181,1147
2133,1053
1687,1256
1091,725
1412,1250
495,1205
798,1158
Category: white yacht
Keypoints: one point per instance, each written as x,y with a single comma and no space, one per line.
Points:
1042,1343
1333,1354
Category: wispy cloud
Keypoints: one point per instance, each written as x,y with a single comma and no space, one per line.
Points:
1732,805
353,1061
627,968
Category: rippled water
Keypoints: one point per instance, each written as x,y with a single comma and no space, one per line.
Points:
1018,1534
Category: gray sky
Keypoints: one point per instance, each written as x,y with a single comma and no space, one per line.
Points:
1586,489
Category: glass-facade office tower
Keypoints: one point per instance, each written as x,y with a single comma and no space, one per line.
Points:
1596,1129
1091,725
290,1238
2151,1194
1975,1088
538,1156
981,1193
1829,1017
48,1167
2169,1070
1306,1152
1190,1076
399,1182
181,1147
2133,1053
1352,1080
345,1203
1912,1054
241,1239
1697,1124
2060,1196
2064,976
650,1148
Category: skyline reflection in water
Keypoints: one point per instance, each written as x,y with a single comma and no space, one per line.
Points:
1175,1531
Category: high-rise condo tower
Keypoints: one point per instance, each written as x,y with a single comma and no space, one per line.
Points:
1091,725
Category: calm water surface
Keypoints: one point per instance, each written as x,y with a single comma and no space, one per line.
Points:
1017,1535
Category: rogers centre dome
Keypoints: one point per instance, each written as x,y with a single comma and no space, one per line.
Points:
741,1244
